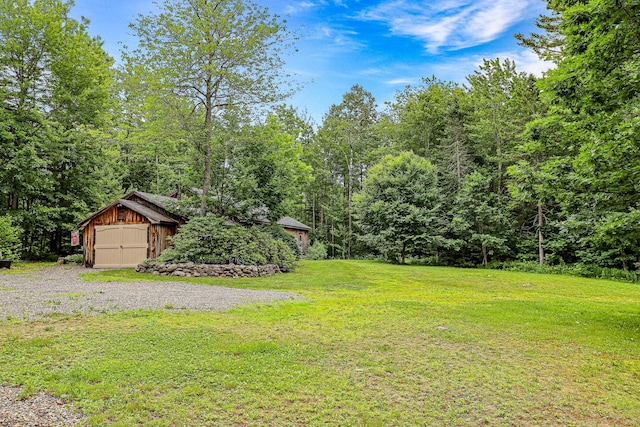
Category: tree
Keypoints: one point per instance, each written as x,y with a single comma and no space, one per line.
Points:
268,171
398,208
501,110
478,218
594,136
55,88
202,56
548,44
420,113
9,238
349,142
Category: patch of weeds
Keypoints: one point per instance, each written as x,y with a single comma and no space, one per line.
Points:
72,296
53,302
168,306
27,391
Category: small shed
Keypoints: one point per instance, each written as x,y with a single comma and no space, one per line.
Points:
298,229
129,230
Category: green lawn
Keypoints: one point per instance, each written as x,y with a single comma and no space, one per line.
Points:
370,344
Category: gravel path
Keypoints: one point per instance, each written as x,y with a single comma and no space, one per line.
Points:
39,409
59,290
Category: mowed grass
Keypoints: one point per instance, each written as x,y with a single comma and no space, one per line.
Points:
368,344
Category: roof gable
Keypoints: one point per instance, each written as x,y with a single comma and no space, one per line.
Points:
153,209
289,222
153,216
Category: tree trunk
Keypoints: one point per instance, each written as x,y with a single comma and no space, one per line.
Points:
485,257
207,156
540,236
350,201
404,251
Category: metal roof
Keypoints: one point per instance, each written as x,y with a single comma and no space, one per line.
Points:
289,222
162,201
154,216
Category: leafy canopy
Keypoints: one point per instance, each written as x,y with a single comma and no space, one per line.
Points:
398,208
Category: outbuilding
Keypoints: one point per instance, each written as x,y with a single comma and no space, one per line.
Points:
298,229
129,230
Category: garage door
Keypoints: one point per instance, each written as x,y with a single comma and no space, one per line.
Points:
120,246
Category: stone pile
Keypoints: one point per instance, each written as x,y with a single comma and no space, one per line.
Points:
191,269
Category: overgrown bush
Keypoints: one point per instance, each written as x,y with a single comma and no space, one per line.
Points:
215,240
9,239
74,259
583,270
317,251
279,233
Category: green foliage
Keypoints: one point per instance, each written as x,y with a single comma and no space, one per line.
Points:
582,270
277,232
232,50
55,97
215,240
479,219
347,145
317,251
582,159
398,208
9,239
266,170
74,258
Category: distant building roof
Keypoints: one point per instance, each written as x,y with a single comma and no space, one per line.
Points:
162,201
289,222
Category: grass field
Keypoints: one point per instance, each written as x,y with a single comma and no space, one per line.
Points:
369,344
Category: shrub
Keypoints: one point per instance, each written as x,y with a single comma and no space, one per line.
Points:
317,251
9,239
279,233
74,259
583,270
215,240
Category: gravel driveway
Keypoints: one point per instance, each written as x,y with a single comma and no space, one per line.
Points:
59,290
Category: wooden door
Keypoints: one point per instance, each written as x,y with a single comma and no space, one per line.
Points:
121,246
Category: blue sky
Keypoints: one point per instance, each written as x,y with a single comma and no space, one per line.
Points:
383,45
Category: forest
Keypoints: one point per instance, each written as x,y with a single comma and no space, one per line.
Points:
506,168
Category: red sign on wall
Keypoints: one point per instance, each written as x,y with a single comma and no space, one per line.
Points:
75,238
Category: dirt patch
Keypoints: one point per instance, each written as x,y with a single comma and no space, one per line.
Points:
40,409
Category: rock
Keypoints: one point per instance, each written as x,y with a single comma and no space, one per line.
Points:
191,269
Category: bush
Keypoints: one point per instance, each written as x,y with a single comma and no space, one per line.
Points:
215,240
582,270
9,239
74,259
279,233
317,251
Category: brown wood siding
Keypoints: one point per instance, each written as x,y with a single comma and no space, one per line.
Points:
158,241
302,237
157,233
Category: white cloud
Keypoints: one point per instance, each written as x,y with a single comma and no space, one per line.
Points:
330,40
449,24
403,81
298,7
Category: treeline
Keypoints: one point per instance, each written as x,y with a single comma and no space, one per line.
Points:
524,169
